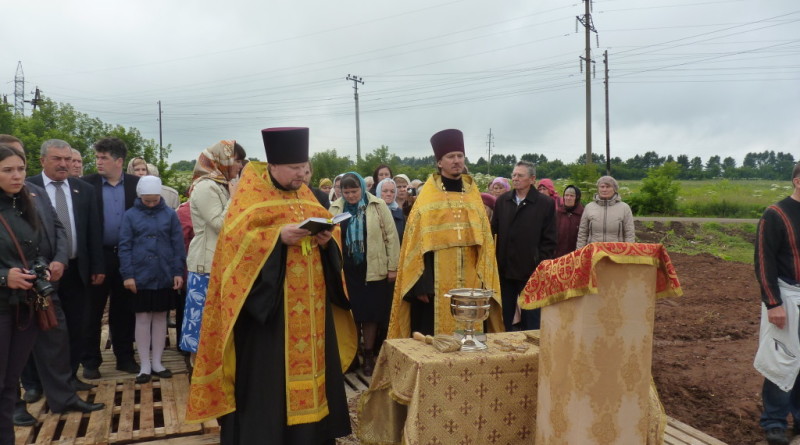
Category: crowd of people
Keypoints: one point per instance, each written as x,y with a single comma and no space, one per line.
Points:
229,268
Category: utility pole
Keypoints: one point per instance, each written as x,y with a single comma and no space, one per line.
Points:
19,91
586,21
608,129
37,99
357,80
160,142
490,143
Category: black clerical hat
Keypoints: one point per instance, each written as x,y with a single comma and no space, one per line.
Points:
286,145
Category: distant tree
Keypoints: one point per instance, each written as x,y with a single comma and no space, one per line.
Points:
714,167
695,170
729,168
537,159
327,164
184,166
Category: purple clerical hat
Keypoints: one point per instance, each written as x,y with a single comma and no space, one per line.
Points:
286,145
447,141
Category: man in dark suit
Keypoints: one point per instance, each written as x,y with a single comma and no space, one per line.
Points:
80,217
115,193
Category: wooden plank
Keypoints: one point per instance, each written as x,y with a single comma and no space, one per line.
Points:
169,410
205,439
699,436
99,427
48,429
72,424
127,411
181,393
211,426
676,437
146,412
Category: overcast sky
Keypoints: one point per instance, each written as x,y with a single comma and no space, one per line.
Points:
690,77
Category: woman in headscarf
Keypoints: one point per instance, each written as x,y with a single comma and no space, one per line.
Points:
387,191
336,190
568,220
371,250
137,166
212,183
607,218
546,187
326,185
498,186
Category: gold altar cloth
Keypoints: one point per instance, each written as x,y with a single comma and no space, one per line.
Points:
595,384
420,396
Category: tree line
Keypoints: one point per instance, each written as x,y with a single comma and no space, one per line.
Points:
51,120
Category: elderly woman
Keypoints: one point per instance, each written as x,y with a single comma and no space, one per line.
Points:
568,220
325,184
607,218
387,191
216,168
17,331
371,252
336,190
499,186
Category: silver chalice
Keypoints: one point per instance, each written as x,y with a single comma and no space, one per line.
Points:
469,306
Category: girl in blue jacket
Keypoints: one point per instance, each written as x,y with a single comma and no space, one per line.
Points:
152,259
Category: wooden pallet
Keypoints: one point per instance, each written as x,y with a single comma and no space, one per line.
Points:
133,413
679,433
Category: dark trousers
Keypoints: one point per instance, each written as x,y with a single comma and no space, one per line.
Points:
48,366
778,404
510,290
15,347
75,303
121,318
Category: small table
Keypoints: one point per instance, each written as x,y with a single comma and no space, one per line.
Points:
422,396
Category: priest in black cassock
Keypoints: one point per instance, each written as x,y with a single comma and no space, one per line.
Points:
277,331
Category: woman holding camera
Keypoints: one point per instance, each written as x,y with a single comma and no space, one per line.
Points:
17,330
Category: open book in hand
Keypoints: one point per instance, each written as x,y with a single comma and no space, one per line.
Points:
316,225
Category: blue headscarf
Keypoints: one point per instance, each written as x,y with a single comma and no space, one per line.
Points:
354,238
378,192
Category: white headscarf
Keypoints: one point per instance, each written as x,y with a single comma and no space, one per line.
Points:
393,205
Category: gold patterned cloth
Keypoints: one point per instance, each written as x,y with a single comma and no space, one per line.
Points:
420,396
595,383
454,226
251,231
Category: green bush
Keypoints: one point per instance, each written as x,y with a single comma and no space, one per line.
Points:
585,177
659,192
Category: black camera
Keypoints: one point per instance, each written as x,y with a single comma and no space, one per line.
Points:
41,285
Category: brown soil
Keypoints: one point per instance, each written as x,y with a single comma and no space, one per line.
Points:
704,346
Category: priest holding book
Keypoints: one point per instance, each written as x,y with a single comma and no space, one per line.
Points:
277,331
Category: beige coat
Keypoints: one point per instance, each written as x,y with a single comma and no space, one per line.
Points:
383,243
207,203
606,221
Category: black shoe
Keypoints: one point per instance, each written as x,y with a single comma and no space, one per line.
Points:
79,385
91,373
777,436
32,395
165,374
129,367
22,417
143,378
83,406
